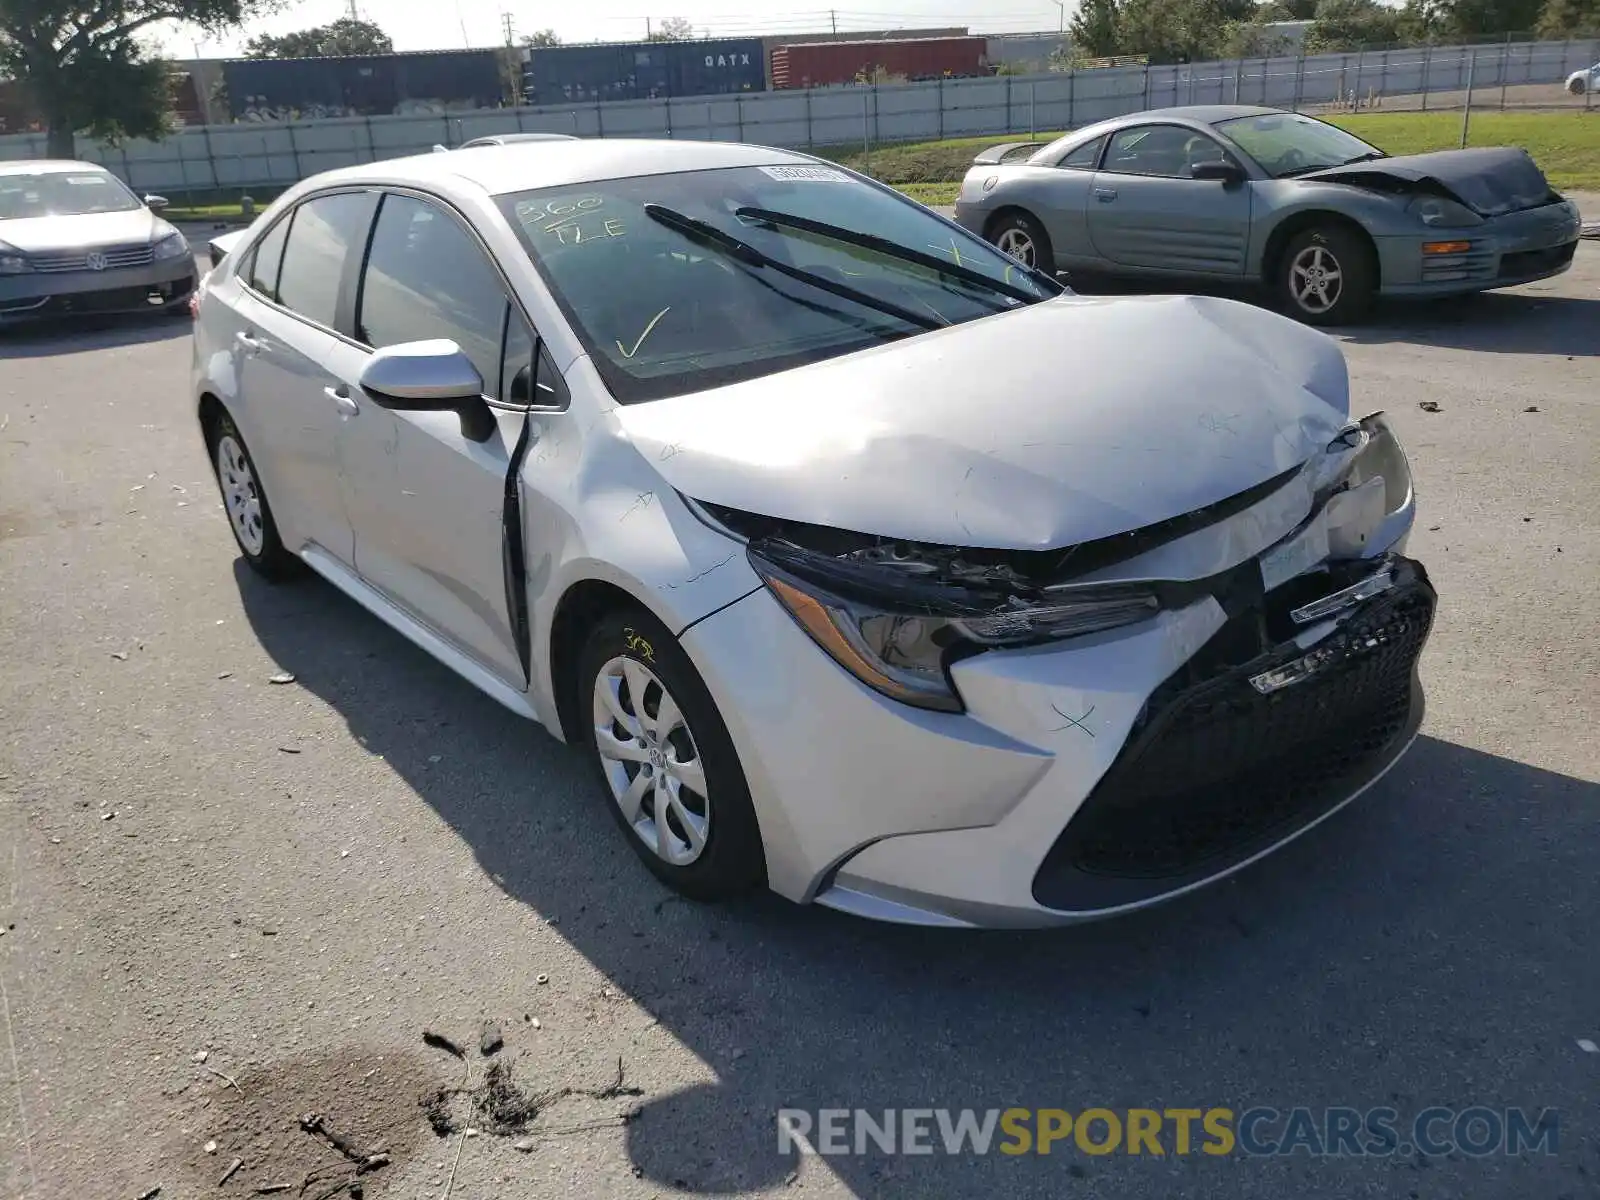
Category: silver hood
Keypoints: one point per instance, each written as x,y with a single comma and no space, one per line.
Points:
1071,420
33,234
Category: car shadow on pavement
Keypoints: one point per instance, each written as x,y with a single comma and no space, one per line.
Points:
1522,322
1383,959
78,335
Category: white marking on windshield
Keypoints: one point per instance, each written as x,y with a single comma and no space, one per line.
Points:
647,331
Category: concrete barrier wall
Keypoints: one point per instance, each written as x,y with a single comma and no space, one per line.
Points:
247,155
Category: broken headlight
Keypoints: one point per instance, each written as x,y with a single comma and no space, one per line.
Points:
896,625
1437,212
1362,480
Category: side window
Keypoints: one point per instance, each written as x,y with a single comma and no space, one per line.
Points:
1086,157
427,278
327,229
262,272
518,370
1167,151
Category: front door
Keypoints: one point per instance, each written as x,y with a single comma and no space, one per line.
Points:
425,498
1146,211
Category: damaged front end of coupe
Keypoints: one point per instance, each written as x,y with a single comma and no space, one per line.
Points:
898,614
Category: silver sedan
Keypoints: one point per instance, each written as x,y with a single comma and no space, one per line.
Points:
1234,193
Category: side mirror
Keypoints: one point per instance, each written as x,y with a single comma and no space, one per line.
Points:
1218,171
431,376
157,203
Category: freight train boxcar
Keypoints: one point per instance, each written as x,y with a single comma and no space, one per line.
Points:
276,89
644,70
825,64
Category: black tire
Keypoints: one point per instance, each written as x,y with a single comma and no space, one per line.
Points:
1577,87
1347,295
1017,226
269,560
731,860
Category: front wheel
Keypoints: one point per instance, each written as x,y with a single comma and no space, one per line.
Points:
1025,240
1327,276
666,760
1576,86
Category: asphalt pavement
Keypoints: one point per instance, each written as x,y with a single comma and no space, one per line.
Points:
232,901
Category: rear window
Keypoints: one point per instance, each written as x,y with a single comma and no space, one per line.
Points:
662,314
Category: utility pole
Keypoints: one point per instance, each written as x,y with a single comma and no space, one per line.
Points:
355,13
505,24
647,34
833,18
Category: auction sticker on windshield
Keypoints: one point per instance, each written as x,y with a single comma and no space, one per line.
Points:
806,174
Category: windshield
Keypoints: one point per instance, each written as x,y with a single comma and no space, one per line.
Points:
1288,144
665,306
63,194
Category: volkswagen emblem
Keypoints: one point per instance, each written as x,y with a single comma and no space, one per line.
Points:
96,261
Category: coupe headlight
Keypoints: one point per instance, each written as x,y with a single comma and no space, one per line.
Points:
174,245
898,633
12,263
1438,213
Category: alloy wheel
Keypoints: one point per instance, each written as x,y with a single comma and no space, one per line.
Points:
1018,244
1316,280
650,761
240,494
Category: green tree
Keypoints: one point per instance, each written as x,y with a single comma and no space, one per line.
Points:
544,37
673,29
1094,32
1566,18
1352,24
1288,10
344,36
84,66
1175,31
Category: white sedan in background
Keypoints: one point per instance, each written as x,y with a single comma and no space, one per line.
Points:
861,560
1586,80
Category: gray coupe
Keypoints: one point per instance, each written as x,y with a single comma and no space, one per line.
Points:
1234,192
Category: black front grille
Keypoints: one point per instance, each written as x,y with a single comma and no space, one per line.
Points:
115,300
1531,262
1219,770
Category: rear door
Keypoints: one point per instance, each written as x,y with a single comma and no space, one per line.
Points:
291,363
1146,211
427,500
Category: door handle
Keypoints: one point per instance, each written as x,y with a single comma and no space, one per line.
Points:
247,343
342,400
1105,195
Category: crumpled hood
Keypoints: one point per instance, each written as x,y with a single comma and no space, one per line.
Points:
33,234
1490,180
1070,420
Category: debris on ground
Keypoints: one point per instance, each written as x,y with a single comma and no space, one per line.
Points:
120,655
211,1147
523,1145
1531,408
541,979
317,1125
272,1189
1428,406
491,1041
233,1168
151,1194
439,1042
282,677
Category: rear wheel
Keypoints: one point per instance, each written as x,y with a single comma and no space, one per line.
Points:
1327,276
249,514
666,760
1022,237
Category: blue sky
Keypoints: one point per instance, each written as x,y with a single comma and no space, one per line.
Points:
450,24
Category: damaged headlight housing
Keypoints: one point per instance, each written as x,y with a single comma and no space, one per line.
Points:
13,261
896,629
1438,212
1363,479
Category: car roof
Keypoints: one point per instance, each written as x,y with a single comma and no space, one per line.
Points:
498,170
45,166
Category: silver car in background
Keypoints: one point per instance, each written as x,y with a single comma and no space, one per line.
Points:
74,239
860,560
1237,193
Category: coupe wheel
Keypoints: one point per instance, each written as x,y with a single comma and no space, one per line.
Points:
249,514
1327,276
1020,236
1576,87
667,761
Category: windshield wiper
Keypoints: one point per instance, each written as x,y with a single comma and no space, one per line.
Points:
888,249
710,236
1367,157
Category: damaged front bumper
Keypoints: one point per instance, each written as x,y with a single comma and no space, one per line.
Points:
1504,251
1105,772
